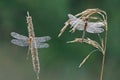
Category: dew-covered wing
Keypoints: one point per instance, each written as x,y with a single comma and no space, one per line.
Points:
76,22
18,36
95,27
41,45
80,25
72,19
42,39
19,42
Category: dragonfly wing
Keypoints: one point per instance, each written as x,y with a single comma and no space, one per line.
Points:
42,39
76,22
96,24
41,45
99,24
19,42
94,30
80,25
18,36
72,19
95,27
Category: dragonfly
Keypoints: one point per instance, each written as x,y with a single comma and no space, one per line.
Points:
32,42
25,41
38,42
84,25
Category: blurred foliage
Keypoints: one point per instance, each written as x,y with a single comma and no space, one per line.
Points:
60,61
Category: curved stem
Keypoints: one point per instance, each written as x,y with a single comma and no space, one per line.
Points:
104,51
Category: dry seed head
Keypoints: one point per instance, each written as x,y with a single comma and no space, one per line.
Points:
88,41
28,18
64,28
89,12
34,51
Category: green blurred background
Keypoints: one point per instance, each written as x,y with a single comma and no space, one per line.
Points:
60,61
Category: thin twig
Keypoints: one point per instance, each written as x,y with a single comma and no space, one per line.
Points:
84,60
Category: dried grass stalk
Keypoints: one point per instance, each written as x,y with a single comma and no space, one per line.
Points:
34,51
84,60
88,41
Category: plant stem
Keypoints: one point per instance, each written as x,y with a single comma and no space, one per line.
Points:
103,59
102,69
